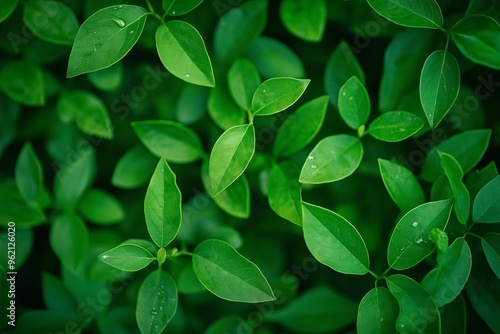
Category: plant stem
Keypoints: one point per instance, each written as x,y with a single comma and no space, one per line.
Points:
153,12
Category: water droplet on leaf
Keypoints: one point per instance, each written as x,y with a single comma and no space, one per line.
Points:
120,22
419,240
414,224
131,32
188,75
173,12
310,157
313,166
351,98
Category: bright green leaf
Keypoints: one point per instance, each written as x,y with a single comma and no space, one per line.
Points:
128,256
408,13
277,94
377,313
394,126
304,19
283,193
29,174
23,82
454,173
354,103
439,238
14,205
243,79
100,207
491,246
486,208
134,168
229,275
180,7
191,105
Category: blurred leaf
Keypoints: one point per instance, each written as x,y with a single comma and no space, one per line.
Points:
192,104
304,19
130,255
176,7
222,108
47,321
377,313
55,295
354,103
13,205
108,79
491,246
243,80
486,208
134,168
284,191
29,174
8,119
23,82
7,7
420,14
100,207
393,126
454,173
23,246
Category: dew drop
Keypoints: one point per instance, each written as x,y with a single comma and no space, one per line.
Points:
351,98
115,8
310,157
402,130
173,12
120,6
263,91
120,22
381,319
104,256
188,75
131,32
153,312
414,224
419,240
344,93
313,166
161,308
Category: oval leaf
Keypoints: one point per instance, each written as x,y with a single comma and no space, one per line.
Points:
304,19
29,174
408,13
222,108
283,192
277,94
377,312
23,82
176,8
228,275
169,140
243,79
134,168
230,157
354,103
394,126
454,173
105,38
332,159
100,207
128,256
486,208
182,51
491,246
333,241
409,243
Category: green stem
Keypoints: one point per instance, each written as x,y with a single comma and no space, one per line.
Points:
473,234
153,12
185,253
373,274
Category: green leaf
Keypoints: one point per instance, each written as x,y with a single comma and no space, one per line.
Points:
401,184
477,179
446,281
377,313
24,246
45,321
29,174
277,94
55,295
134,168
334,241
235,199
304,19
284,191
439,85
454,173
407,13
354,103
230,157
467,147
191,105
477,38
180,7
130,255
69,238
491,246
8,121
318,310
394,126
100,207
13,205
88,111
105,38
300,128
454,317
341,66
418,313
332,159
182,51
486,208
7,7
162,205
249,20
229,275
108,79
222,108
243,79
59,24
23,82
408,244
440,238
156,302
169,140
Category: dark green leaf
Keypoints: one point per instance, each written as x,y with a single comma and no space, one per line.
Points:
105,38
45,321
229,275
454,317
55,295
332,159
100,207
491,246
354,103
300,128
304,19
407,13
180,7
486,208
283,192
23,82
243,79
192,104
108,79
394,126
477,179
454,173
182,51
8,119
134,168
222,108
277,94
130,255
169,140
24,246
377,313
162,206
334,241
13,205
6,8
29,174
230,157
409,244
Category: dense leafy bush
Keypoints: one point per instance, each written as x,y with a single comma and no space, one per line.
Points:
249,166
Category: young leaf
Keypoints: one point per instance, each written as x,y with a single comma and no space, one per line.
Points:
477,38
222,108
56,296
354,103
88,111
408,244
59,26
105,38
301,127
169,140
7,7
243,79
156,302
228,275
318,310
130,255
134,168
277,94
182,51
477,179
454,173
23,82
162,205
333,158
230,157
439,85
402,185
491,246
304,19
467,147
29,174
100,207
177,8
377,313
486,208
283,192
418,313
394,126
439,238
333,241
446,281
415,14
341,66
69,238
108,79
249,19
